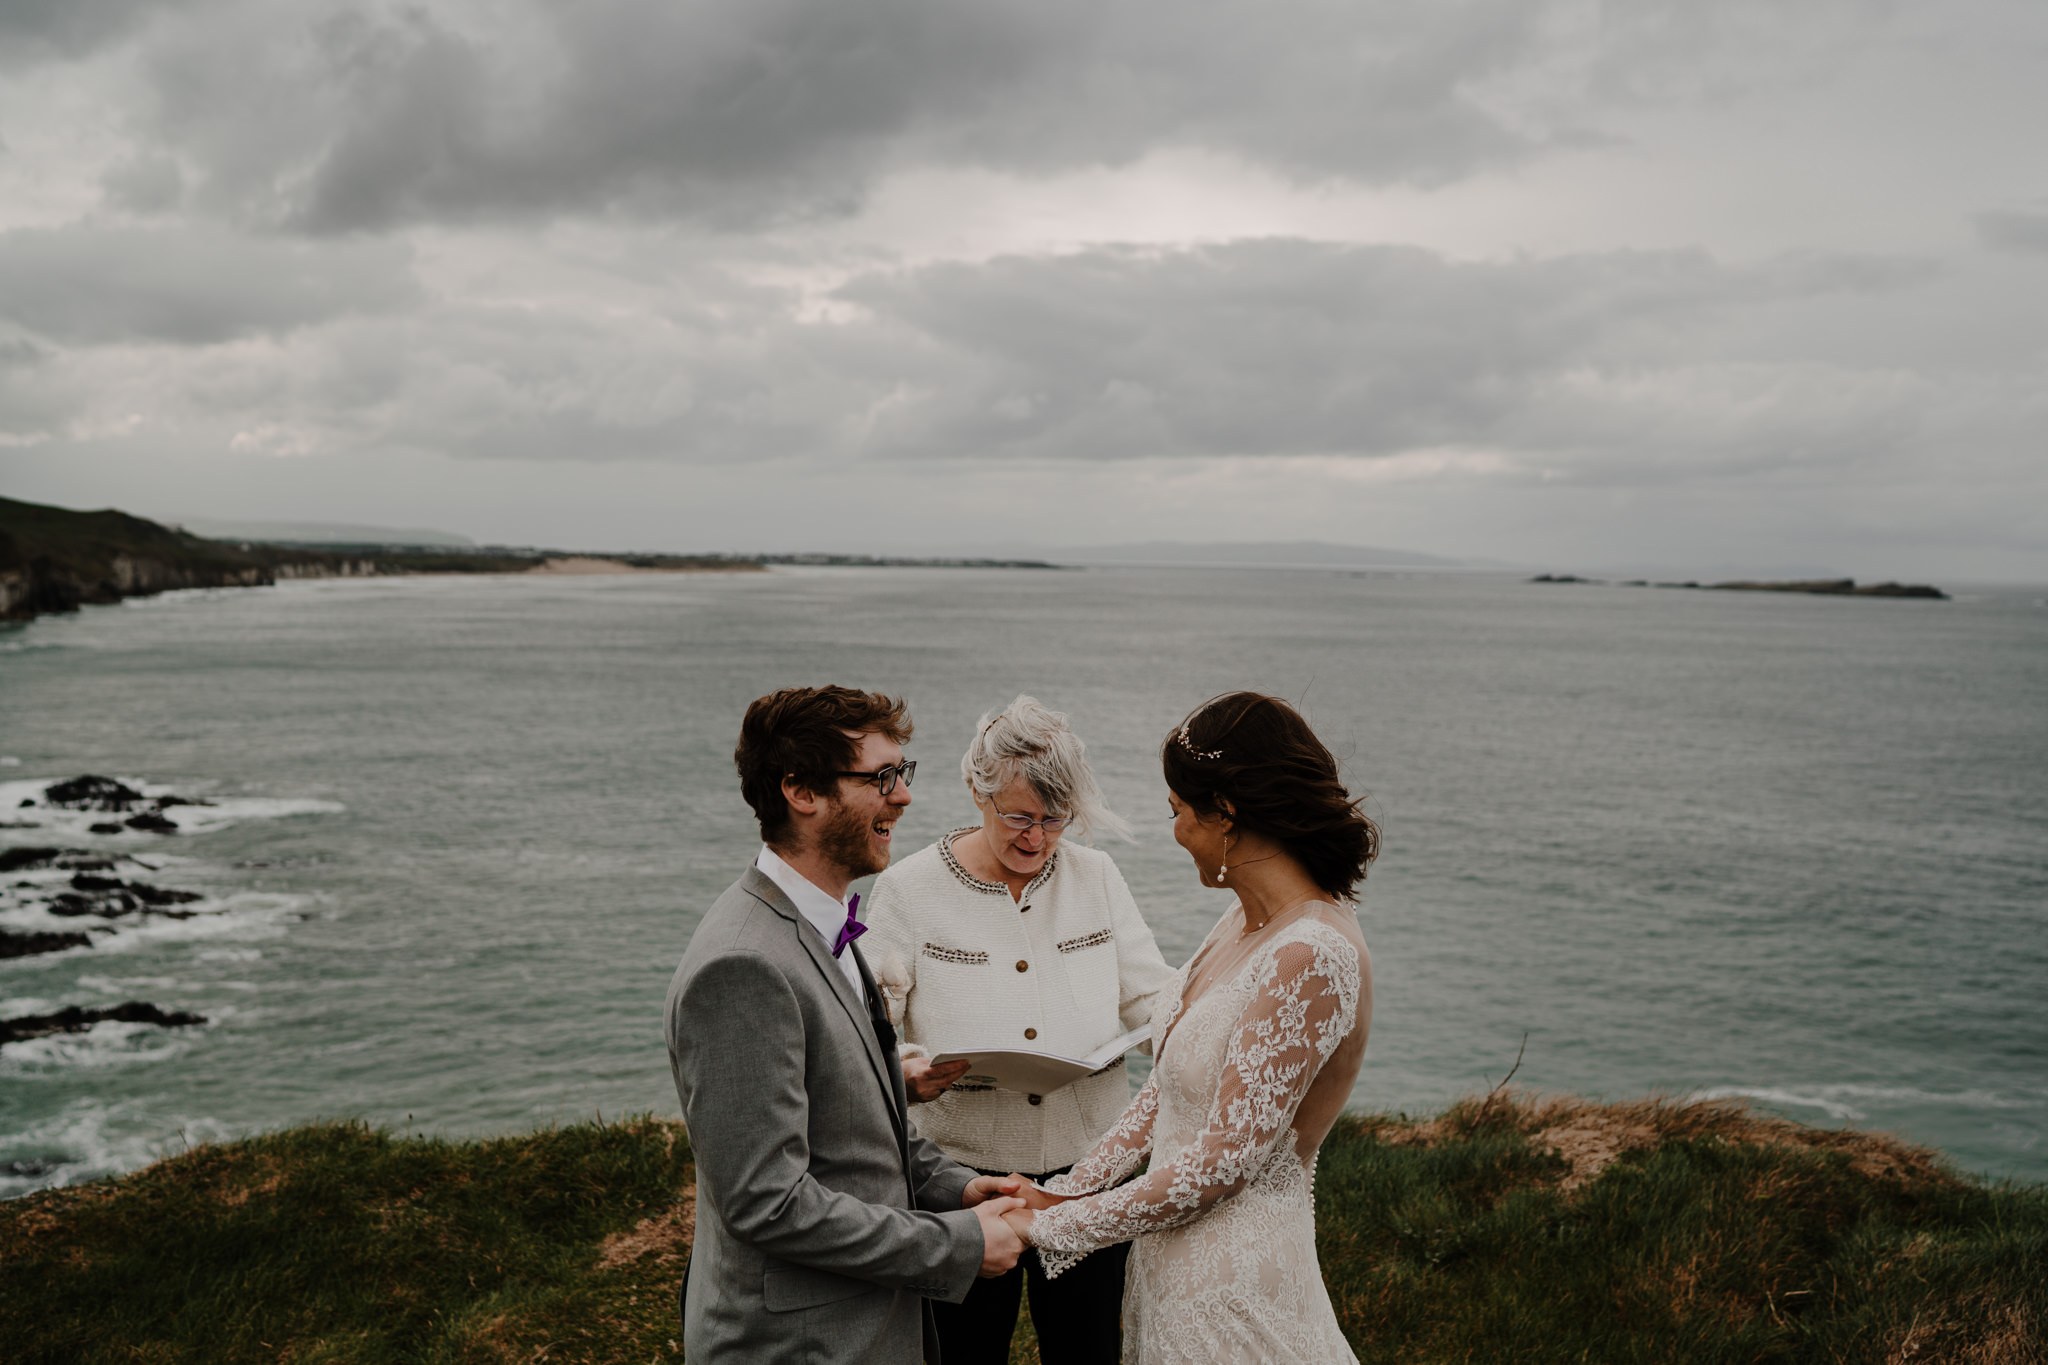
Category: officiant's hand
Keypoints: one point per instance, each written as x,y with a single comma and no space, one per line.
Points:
989,1186
926,1082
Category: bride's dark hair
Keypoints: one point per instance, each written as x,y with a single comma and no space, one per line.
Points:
1257,753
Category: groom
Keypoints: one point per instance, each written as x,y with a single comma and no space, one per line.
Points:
824,1221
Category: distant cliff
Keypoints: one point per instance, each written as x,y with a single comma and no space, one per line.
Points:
54,559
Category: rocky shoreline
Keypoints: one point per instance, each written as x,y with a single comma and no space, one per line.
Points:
1824,587
90,893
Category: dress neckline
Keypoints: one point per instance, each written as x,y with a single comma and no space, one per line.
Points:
1183,1005
974,883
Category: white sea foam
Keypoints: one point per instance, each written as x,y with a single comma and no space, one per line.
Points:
1840,1102
104,1046
90,1139
229,954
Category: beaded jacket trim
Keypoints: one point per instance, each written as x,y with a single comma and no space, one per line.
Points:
963,956
1075,945
975,883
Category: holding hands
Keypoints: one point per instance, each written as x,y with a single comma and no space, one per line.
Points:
994,1201
1007,1206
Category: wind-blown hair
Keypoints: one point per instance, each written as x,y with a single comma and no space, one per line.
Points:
1026,740
803,732
1256,753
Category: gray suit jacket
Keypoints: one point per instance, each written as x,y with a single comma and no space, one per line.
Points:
823,1220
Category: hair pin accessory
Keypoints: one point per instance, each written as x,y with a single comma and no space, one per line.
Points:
1187,744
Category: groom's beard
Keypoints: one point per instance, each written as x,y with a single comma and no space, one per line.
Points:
848,841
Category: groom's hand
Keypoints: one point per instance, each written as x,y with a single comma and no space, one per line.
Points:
989,1186
1000,1244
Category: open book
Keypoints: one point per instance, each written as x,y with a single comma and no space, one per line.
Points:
1038,1073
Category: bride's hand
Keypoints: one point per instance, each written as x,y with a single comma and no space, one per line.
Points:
1020,1221
1033,1196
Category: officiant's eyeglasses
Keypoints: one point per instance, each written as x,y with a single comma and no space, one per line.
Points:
1019,821
885,778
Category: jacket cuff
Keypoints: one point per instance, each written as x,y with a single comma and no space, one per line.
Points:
942,1194
963,1259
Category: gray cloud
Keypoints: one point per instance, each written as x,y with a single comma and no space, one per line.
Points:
1617,367
1299,348
740,112
38,30
90,284
2014,230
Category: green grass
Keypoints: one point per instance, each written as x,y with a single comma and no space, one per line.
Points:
1516,1230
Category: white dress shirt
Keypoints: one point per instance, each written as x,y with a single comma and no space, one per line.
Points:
821,911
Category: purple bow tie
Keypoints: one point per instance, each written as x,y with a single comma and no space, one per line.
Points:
850,930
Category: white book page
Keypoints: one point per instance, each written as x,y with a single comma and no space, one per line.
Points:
1037,1073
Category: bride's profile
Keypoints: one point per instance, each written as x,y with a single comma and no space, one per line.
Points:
1255,1043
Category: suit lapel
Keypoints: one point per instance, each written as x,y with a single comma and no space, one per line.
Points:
764,889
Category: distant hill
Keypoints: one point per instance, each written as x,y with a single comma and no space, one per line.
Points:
321,533
1268,552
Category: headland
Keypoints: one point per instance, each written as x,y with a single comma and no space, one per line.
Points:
1509,1228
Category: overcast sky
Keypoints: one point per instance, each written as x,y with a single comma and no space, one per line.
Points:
1575,284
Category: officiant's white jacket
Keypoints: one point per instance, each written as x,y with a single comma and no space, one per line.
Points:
1064,969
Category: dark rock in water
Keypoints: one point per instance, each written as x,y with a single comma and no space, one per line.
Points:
166,802
1839,587
27,802
142,891
35,859
1902,590
1561,578
152,823
111,905
77,1019
16,944
27,859
107,827
92,792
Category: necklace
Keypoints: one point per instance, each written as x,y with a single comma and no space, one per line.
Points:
1250,928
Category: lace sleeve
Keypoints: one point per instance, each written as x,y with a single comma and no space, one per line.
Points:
1305,1005
1121,1151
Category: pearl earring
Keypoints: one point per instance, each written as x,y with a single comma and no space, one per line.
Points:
1224,866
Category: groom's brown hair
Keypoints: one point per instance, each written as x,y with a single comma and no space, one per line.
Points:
807,733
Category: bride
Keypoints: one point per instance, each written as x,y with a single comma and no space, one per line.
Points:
1255,1045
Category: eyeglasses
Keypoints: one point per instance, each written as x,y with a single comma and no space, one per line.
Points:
1019,821
885,778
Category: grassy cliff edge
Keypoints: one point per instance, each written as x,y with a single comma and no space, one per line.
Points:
1512,1229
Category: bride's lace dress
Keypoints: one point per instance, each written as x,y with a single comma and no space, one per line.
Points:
1224,1263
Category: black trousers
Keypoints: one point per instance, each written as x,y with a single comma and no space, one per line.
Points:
1078,1317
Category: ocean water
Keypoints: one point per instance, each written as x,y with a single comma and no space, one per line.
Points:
1789,848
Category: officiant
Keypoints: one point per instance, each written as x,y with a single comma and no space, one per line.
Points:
1015,934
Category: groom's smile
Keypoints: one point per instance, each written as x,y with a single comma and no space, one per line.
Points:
861,830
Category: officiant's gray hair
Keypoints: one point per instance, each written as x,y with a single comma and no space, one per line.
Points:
1027,740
